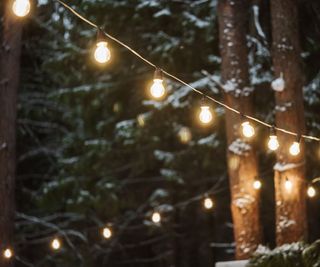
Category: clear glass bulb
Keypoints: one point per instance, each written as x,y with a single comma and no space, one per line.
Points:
273,143
7,253
205,115
157,89
102,53
288,185
295,149
257,184
55,244
156,217
107,232
21,8
208,203
247,129
311,191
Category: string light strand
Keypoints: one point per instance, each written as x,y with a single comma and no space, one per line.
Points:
183,82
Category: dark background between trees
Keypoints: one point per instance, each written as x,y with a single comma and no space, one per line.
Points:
84,160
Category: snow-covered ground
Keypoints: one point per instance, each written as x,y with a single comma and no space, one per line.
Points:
231,264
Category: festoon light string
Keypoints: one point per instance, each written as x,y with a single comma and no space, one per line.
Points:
270,126
102,55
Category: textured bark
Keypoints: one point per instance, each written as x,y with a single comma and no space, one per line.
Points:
242,164
290,206
9,74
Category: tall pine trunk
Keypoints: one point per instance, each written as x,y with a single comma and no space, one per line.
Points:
9,76
241,156
290,205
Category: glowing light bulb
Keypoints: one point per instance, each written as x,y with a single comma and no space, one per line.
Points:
208,203
55,244
7,253
156,217
102,53
205,115
273,143
257,184
295,149
288,185
21,8
157,90
185,135
141,120
106,232
247,129
311,192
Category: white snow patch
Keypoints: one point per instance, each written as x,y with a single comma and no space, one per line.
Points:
196,21
168,173
244,201
241,263
262,250
284,223
239,147
284,107
163,12
159,193
256,21
163,156
278,84
229,86
281,167
247,91
209,141
124,129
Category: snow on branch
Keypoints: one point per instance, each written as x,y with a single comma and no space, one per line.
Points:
282,167
256,21
239,147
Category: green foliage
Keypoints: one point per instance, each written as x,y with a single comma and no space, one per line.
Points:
288,255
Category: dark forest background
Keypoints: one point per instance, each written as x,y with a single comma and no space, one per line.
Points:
94,150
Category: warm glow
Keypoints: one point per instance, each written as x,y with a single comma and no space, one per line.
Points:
156,217
205,115
102,53
21,8
288,185
208,203
257,184
107,233
157,89
311,192
295,149
184,135
273,143
55,244
7,253
141,120
247,129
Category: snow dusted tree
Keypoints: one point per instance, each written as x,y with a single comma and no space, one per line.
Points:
9,74
290,202
241,156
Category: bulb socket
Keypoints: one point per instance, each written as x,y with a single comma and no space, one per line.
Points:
158,75
101,36
243,117
298,138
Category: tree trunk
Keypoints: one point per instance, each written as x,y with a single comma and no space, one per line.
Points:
241,156
9,75
290,205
